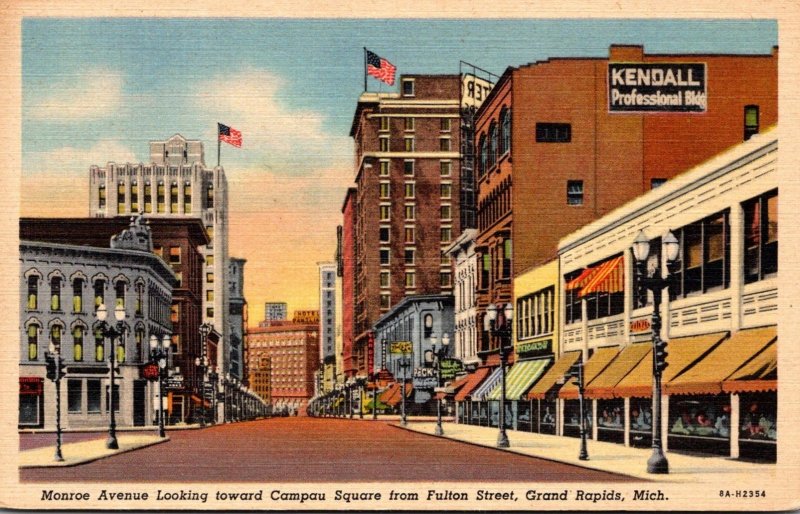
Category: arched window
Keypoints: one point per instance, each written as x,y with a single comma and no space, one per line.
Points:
483,149
492,144
55,293
139,308
77,294
187,197
33,292
119,289
77,343
505,128
99,292
33,342
55,335
99,346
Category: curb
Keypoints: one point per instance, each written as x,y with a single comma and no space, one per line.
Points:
86,460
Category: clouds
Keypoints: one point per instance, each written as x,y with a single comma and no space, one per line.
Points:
90,95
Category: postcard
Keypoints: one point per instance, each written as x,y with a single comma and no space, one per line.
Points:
506,257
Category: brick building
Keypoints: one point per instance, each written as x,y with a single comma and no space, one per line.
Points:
407,201
347,268
562,142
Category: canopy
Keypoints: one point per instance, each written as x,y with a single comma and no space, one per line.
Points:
553,375
603,385
760,374
482,392
520,378
598,362
397,397
609,278
473,381
682,353
453,387
389,392
707,375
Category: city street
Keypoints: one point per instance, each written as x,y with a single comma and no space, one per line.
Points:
313,450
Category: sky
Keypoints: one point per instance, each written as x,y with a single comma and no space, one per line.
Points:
99,89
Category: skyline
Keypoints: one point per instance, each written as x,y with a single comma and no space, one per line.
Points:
87,102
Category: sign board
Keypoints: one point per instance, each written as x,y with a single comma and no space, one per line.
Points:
534,348
639,325
425,378
657,87
175,382
450,368
474,90
400,347
150,371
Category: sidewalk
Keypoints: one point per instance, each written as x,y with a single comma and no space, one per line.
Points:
85,451
614,458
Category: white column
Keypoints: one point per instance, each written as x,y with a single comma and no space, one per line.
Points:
626,407
735,424
736,287
559,416
594,419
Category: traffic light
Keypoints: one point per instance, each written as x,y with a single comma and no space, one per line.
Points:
661,355
50,362
576,373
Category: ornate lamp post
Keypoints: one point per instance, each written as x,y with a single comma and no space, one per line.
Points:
405,363
374,396
159,353
576,373
434,356
657,463
202,363
502,330
55,372
113,332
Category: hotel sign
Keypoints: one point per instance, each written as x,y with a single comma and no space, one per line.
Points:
657,87
474,90
535,348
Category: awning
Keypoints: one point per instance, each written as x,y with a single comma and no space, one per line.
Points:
596,364
553,375
453,387
397,397
581,279
473,381
603,385
520,378
610,278
706,376
389,392
760,374
481,393
682,353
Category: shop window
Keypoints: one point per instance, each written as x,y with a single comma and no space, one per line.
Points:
93,395
116,398
383,234
33,292
74,396
77,344
750,121
705,255
572,418
55,294
33,342
702,416
575,192
120,294
547,416
77,295
553,132
759,415
761,237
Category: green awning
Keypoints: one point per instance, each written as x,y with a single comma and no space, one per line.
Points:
520,378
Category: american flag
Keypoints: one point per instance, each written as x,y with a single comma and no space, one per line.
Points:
229,135
380,68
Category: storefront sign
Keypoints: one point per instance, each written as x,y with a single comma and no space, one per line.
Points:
640,325
31,385
175,382
425,378
450,368
150,371
534,348
474,90
657,87
400,347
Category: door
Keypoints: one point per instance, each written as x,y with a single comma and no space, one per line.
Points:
139,388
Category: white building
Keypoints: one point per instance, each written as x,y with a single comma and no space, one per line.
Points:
462,252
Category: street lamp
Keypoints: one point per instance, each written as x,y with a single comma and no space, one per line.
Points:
213,377
502,330
435,357
405,362
202,363
374,396
113,332
160,355
350,386
576,373
657,463
361,383
55,371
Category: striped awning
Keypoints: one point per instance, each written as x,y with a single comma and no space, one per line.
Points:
520,378
760,374
603,385
609,278
581,279
472,382
480,394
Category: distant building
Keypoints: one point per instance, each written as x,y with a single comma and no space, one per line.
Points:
275,311
327,321
237,317
259,378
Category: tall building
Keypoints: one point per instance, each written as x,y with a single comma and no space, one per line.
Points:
327,321
275,311
562,142
175,183
407,201
237,317
347,267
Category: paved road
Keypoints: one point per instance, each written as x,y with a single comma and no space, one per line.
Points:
316,450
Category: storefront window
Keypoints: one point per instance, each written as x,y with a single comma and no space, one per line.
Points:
641,422
700,416
759,414
572,413
524,415
475,408
74,395
547,416
93,395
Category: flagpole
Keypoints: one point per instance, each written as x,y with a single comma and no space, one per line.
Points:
365,69
219,145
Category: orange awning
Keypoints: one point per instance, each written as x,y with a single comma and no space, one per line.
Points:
397,397
472,382
610,278
628,358
592,368
389,392
682,353
553,375
581,279
707,375
453,387
760,374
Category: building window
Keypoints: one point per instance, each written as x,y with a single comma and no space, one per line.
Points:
160,196
572,302
210,232
445,191
492,144
384,256
761,237
705,255
445,168
173,198
210,295
484,155
444,144
409,144
101,196
55,335
410,190
444,259
99,346
408,168
134,197
209,312
506,258
120,198
386,301
139,339
409,124
486,269
119,289
209,260
505,127
385,277
410,212
99,292
384,190
139,310
445,279
446,234
409,235
445,124
384,144
33,342
93,395
575,192
384,123
77,295
411,279
536,313
74,396
148,198
210,196
750,121
176,346
444,212
657,182
178,279
408,87
55,294
383,234
384,168
553,132
77,343
187,198
409,256
385,212
209,278
33,292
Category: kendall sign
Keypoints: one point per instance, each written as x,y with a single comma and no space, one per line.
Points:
657,87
